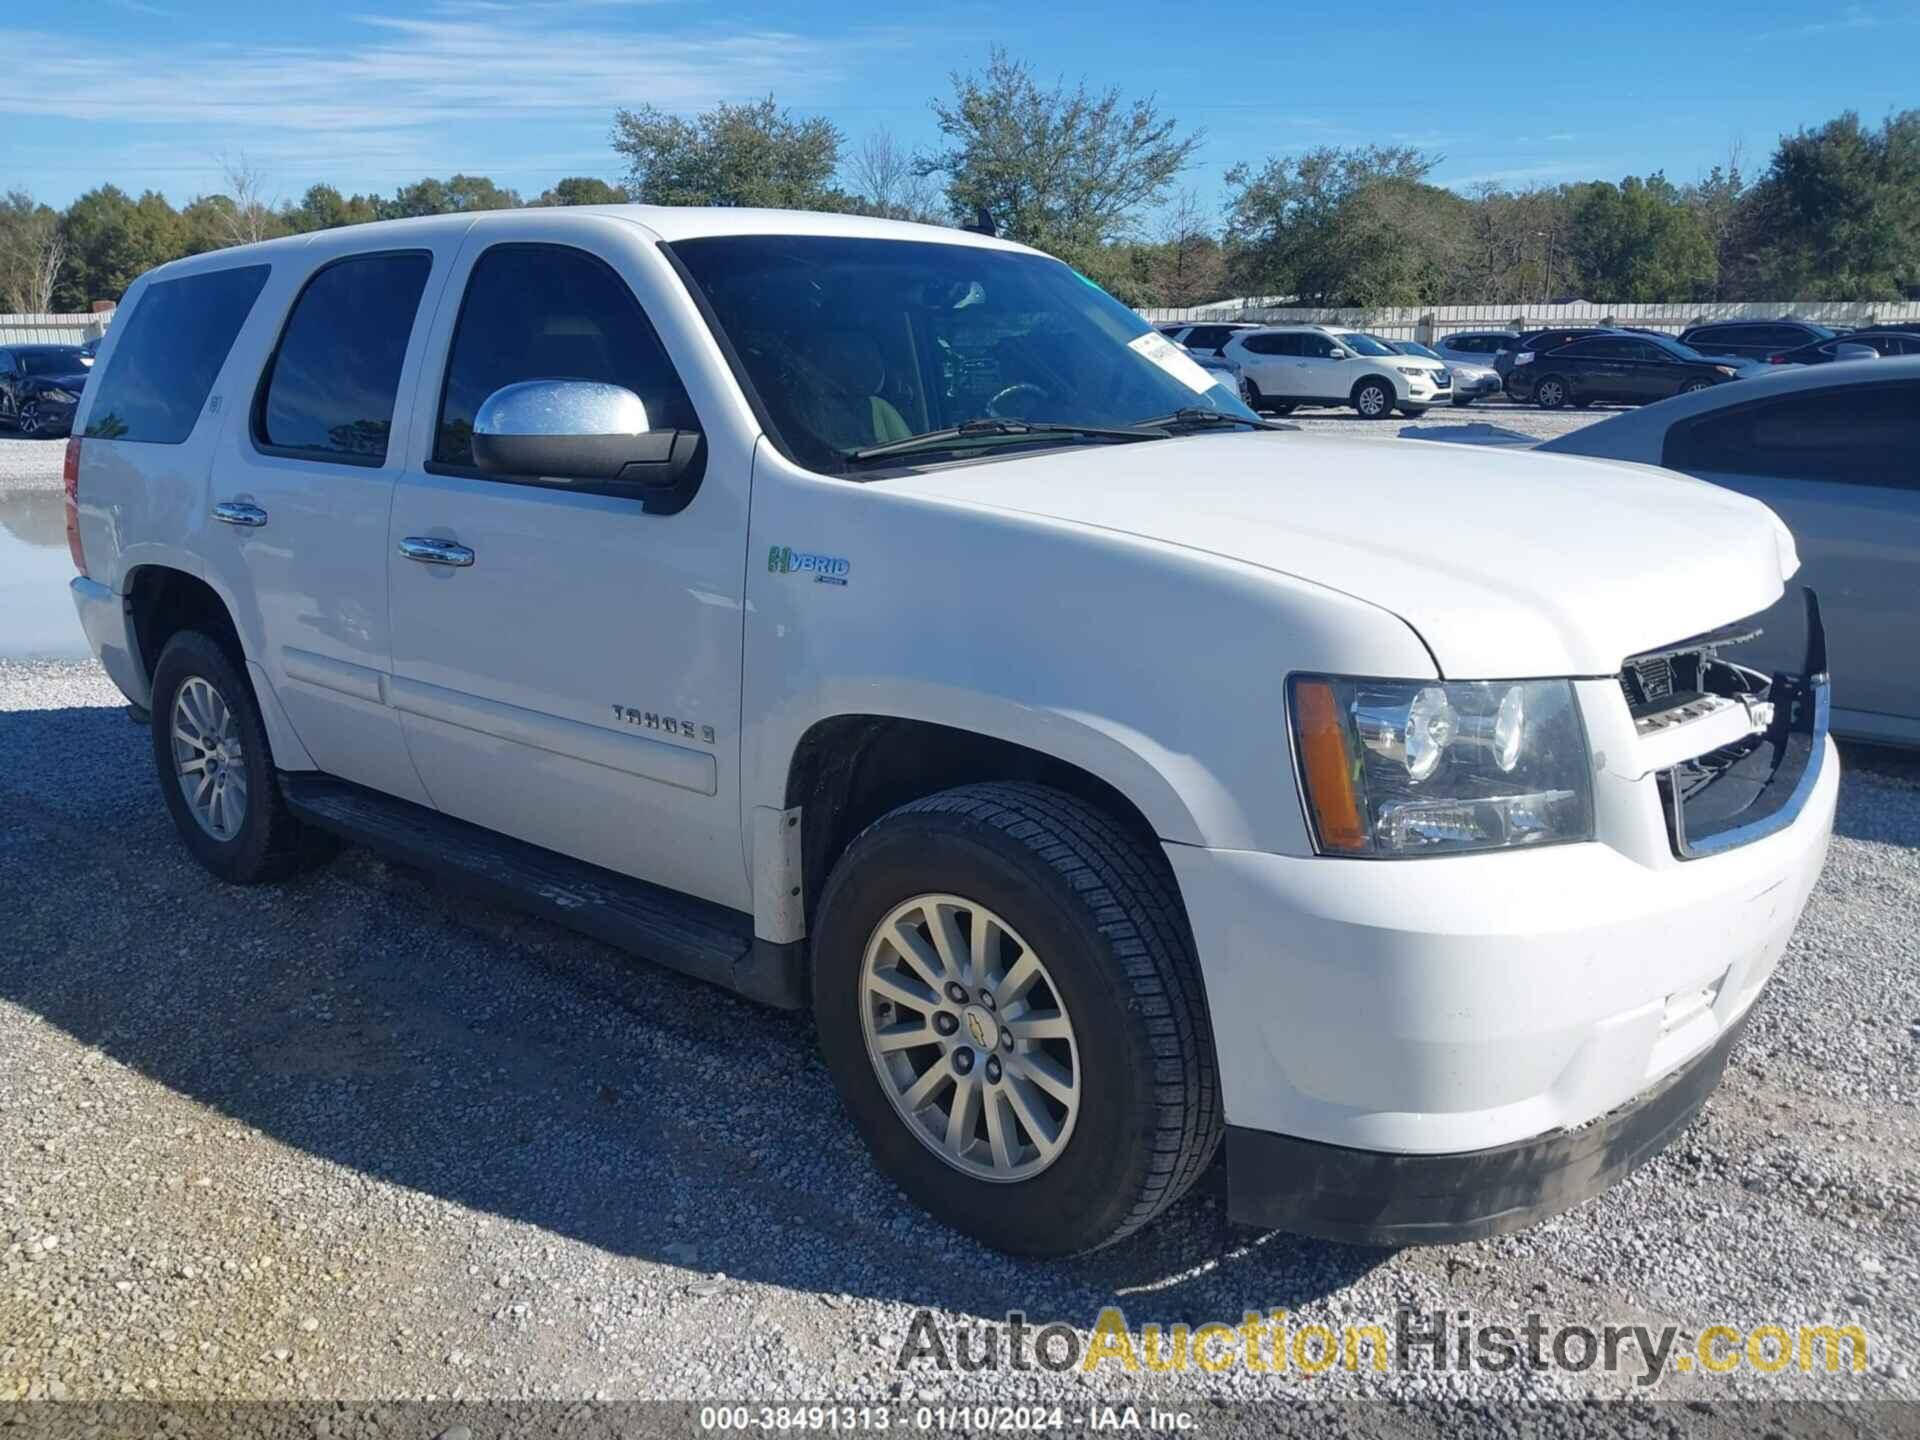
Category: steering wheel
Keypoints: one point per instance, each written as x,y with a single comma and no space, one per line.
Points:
993,405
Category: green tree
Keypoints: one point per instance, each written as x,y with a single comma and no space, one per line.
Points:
111,240
323,207
1639,241
454,196
1285,218
1066,171
756,154
1838,211
583,190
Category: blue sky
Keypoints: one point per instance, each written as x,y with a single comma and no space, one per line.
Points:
152,93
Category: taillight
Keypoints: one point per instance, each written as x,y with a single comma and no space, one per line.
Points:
70,473
1776,359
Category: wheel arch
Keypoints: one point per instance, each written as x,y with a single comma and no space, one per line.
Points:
848,770
1371,377
163,600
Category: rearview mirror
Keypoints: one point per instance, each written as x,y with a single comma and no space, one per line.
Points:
589,436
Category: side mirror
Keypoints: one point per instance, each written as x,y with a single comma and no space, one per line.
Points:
1336,353
1855,352
587,436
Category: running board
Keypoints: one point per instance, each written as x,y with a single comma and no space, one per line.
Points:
707,941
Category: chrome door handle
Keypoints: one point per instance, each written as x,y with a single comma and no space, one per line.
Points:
429,551
239,512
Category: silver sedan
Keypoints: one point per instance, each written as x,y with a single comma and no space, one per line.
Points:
1835,451
1471,382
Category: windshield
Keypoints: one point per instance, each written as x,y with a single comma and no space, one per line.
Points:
50,362
1359,344
1414,347
852,343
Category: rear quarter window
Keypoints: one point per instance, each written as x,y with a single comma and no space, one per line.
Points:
170,352
1849,434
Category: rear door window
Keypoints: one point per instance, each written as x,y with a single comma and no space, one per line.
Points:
1849,434
329,389
170,353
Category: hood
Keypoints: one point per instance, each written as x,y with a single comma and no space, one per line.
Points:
72,382
1507,564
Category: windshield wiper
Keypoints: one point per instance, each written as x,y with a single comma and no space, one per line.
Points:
988,425
1196,415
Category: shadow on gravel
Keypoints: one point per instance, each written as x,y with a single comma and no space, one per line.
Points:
1885,805
364,1017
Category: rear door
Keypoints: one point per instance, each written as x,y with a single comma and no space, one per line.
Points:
1841,466
301,484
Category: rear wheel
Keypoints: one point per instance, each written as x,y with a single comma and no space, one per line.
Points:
216,769
1550,392
1373,399
1693,387
1008,1000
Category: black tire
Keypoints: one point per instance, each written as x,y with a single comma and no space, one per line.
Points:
29,421
1414,412
1100,906
1550,392
1373,399
268,842
1461,402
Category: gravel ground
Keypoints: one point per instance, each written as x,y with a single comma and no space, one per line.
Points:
30,464
356,1137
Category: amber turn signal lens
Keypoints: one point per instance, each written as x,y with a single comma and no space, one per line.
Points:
1327,768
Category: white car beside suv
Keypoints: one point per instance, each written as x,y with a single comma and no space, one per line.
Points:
885,621
1282,366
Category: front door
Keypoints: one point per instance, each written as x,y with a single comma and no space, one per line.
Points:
574,681
1321,376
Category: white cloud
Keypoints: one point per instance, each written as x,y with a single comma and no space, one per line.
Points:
465,65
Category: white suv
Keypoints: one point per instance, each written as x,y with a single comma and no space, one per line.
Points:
1282,366
881,620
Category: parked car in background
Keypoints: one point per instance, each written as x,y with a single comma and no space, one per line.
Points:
1282,366
1471,382
1534,341
1618,369
1209,338
1218,365
1754,339
39,387
1836,453
1846,347
1474,347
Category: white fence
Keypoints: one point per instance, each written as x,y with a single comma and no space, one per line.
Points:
53,329
1425,322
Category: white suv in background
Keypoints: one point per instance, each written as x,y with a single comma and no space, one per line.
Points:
1282,366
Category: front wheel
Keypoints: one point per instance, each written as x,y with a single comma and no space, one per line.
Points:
1550,393
1009,1003
29,420
1460,402
1694,387
1373,399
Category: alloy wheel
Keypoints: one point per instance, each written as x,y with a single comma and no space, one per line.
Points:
970,1038
208,760
28,420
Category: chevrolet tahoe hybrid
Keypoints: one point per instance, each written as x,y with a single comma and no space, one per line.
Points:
882,620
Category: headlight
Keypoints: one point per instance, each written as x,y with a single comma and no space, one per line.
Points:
1393,768
60,397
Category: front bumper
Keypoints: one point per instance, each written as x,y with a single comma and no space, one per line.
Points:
1459,1006
1364,1197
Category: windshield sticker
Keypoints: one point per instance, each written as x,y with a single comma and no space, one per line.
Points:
825,569
1172,359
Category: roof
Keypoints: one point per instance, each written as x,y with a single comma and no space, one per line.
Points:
661,222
